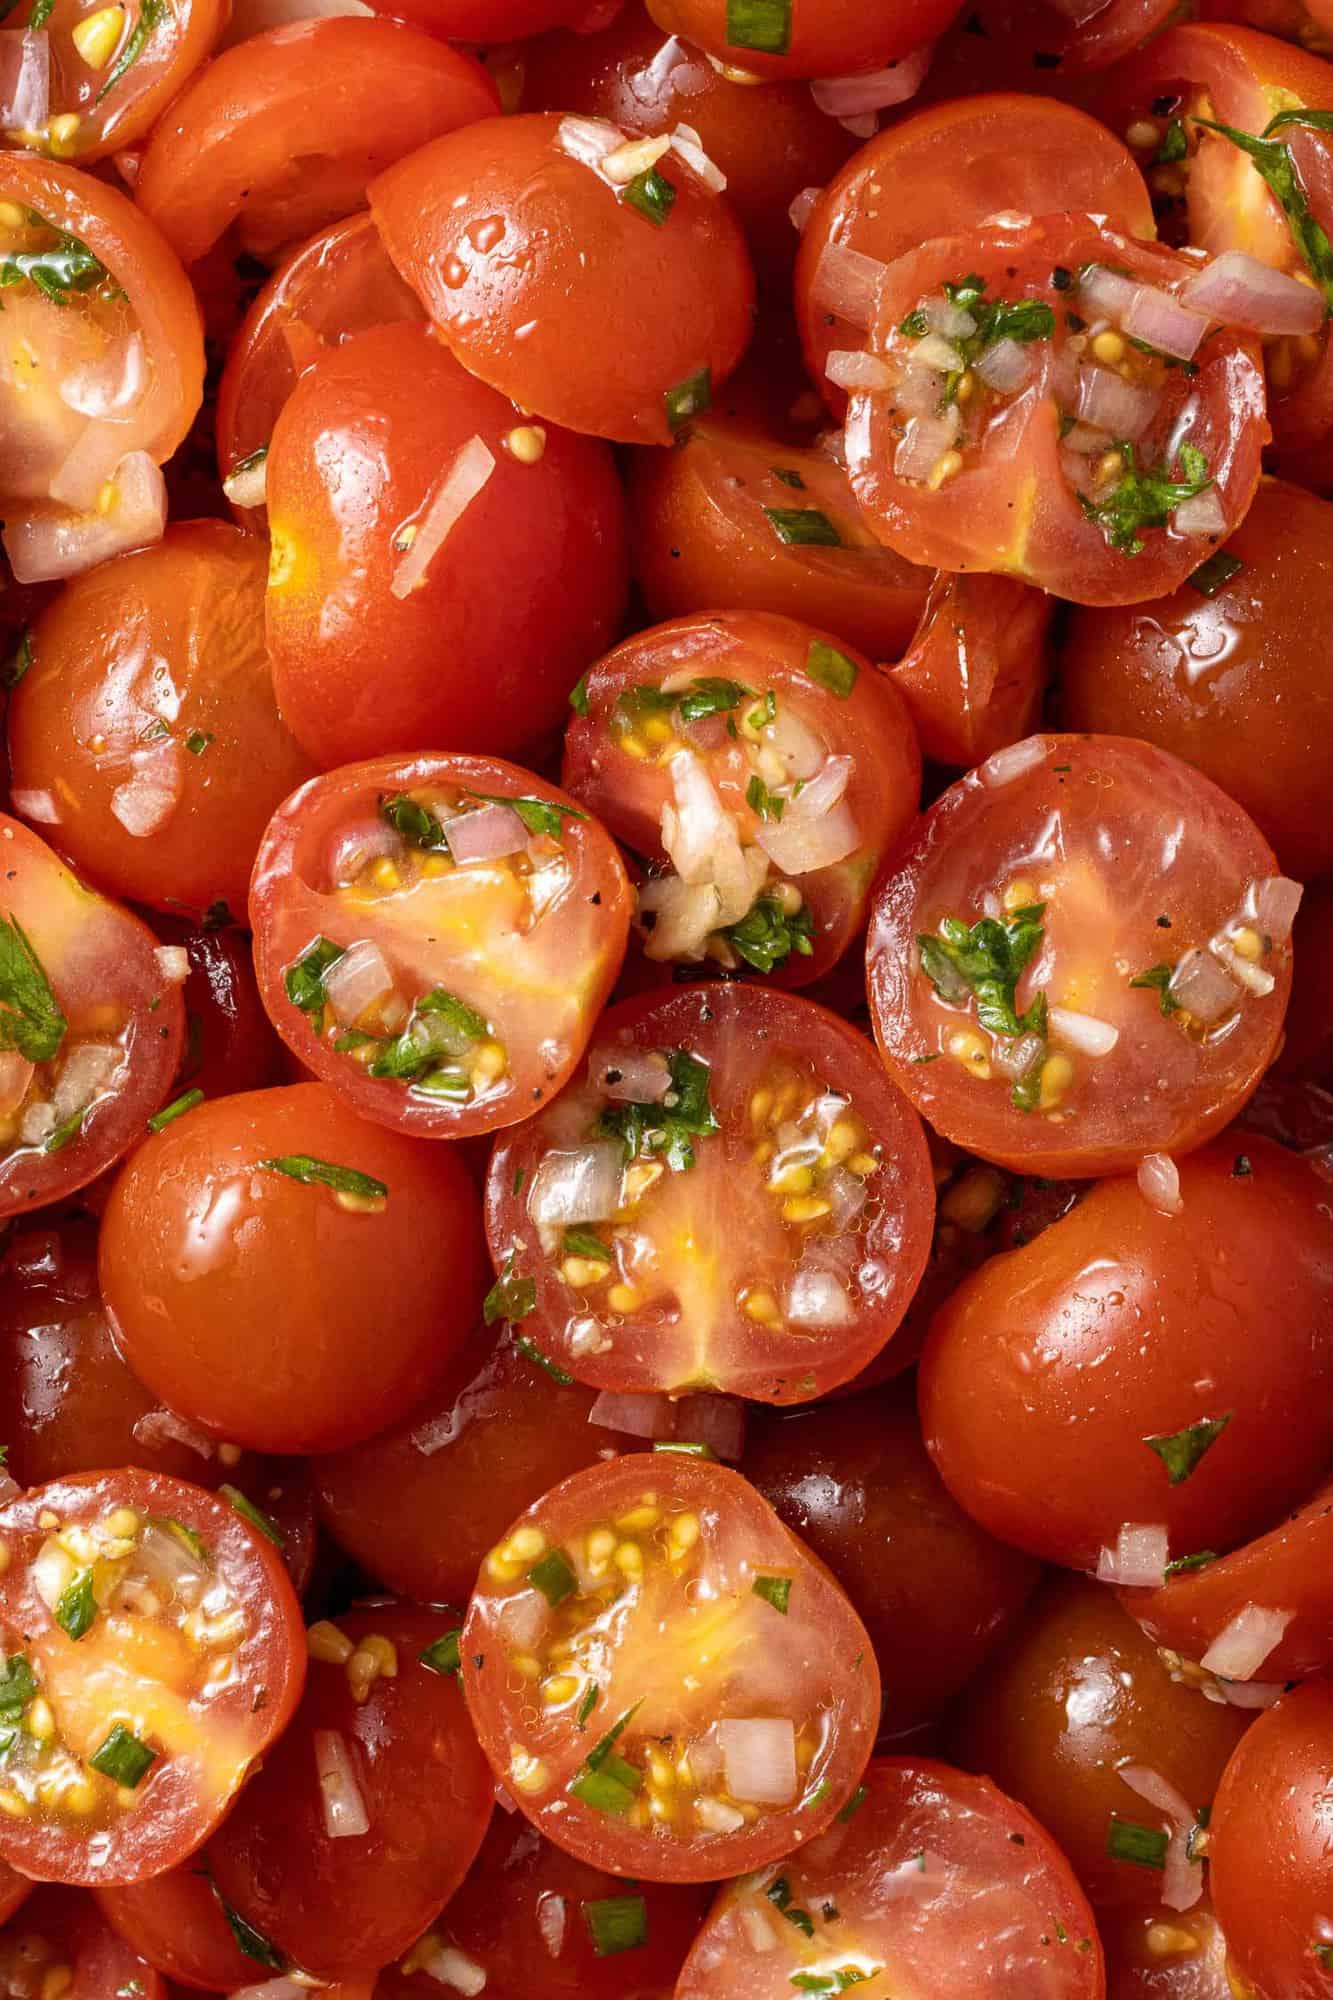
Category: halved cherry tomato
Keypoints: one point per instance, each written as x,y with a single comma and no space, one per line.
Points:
15,1890
419,1506
914,1887
1307,1050
441,569
350,1255
491,21
472,972
229,1042
606,305
145,730
664,1678
1068,967
180,1925
764,771
974,672
1268,1848
370,1811
153,1650
1038,46
1104,481
251,140
91,1024
737,519
853,1479
797,39
534,1920
733,1197
941,171
339,283
60,1944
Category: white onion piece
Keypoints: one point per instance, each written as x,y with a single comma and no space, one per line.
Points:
173,962
802,208
1084,442
683,917
847,1197
853,370
1014,1055
39,806
468,473
523,1620
1245,1642
1271,904
551,1923
1105,294
247,485
863,126
759,1758
170,1561
110,385
876,89
815,1298
934,351
1182,1878
1201,514
25,79
1138,1560
919,392
942,316
924,1871
630,1076
354,982
588,140
817,829
1256,978
1202,988
846,283
1108,402
272,1989
88,466
486,835
924,442
1247,1694
87,1071
717,1421
158,1427
689,147
1240,291
448,1966
582,1186
1159,1183
147,799
801,751
1083,1032
1015,760
1005,367
640,1415
357,844
700,839
45,545
345,1815
1157,317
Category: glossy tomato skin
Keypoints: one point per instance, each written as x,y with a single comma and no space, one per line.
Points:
163,779
937,1594
975,670
109,988
229,1043
343,1908
1211,677
530,584
1109,913
819,1662
1269,1847
524,1916
563,964
229,136
419,1506
1119,1325
115,110
177,1923
752,1041
948,168
356,1310
990,1856
832,40
558,294
183,1797
1308,1048
62,1929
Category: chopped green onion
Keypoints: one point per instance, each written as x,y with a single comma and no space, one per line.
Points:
688,399
250,1942
56,1142
686,1450
588,1704
803,527
323,1173
19,663
775,1590
198,741
653,195
444,1657
1145,1846
617,1923
1210,576
123,1758
304,980
176,1109
832,669
531,1352
779,1895
604,1781
788,477
150,13
1181,1451
768,805
1184,1564
76,1607
854,1804
763,25
578,695
257,1518
553,1577
510,1297
583,1243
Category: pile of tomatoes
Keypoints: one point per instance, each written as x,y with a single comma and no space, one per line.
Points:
666,1065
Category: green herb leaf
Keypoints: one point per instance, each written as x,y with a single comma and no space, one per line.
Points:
256,1516
583,1243
1276,168
684,1114
604,1781
305,979
413,821
323,1173
803,527
19,662
1210,576
1183,1565
67,267
250,1942
18,1686
537,815
1180,1453
853,1805
578,695
710,695
30,1020
531,1352
151,12
1145,1846
767,935
768,805
198,741
653,195
510,1298
788,477
1159,977
553,1577
764,25
76,1607
987,959
616,1924
775,1590
688,399
123,1758
56,1142
443,1656
176,1109
1174,147
779,1895
1324,1953
832,669
1145,498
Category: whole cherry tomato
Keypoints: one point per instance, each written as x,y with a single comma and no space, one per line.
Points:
60,1944
1307,1050
973,675
229,1044
181,1925
796,38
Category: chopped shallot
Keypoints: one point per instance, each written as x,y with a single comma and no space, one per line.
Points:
853,370
1200,987
148,798
448,1966
1006,366
1109,403
759,1758
487,834
25,79
1157,317
629,1075
924,442
1201,514
1015,760
846,283
686,143
1182,1876
1243,1644
1257,978
1138,1560
803,207
357,980
815,1298
50,542
1240,291
1103,293
345,1815
1159,1183
644,1414
467,474
873,90
247,484
1083,1032
817,829
588,140
1271,903
111,385
158,1427
173,962
575,1187
39,806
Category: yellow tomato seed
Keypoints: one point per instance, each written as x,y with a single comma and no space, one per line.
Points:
1020,892
967,1047
97,36
947,466
526,1544
805,1208
1170,1941
527,443
1247,943
1109,346
560,1688
760,1106
622,1298
763,1307
1057,1073
638,1519
629,1559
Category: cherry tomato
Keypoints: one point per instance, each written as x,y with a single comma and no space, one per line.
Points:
1004,482
1308,1048
736,519
949,169
349,1256
339,283
60,1944
596,303
229,1044
15,1890
770,143
1221,673
732,1673
161,778
154,1650
250,140
763,770
441,570
974,672
603,1212
369,1813
793,38
1086,892
534,1920
854,1481
419,1506
504,922
92,1026
1269,1848
490,21
180,1925
852,1904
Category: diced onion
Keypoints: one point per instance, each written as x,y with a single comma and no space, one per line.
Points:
1005,367
173,962
919,391
272,1989
1103,293
1138,1560
147,799
629,1075
1182,1878
39,806
847,1196
468,473
1241,291
1247,1694
169,1560
1256,978
110,385
448,1966
158,1427
88,466
52,1572
909,1878
551,1920
715,1815
25,79
588,140
759,1759
1245,1642
1014,1055
853,370
876,89
345,1815
818,829
1159,1183
49,543
642,1415
924,442
354,982
1271,904
686,143
87,1071
934,351
803,207
1108,402
1201,514
683,917
942,316
1201,987
1083,1032
699,837
846,283
247,485
1157,317
355,845
1015,760
815,1298
717,1421
863,126
487,834
582,1186
800,751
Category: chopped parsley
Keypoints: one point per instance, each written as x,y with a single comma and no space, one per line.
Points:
151,12
1159,978
779,1895
831,669
616,1924
1174,147
803,527
710,695
1210,576
30,1020
775,1590
1145,1846
511,1297
767,935
1020,320
76,1606
553,1577
669,1128
441,1025
250,1942
19,662
688,399
65,268
788,477
258,1519
1181,1451
443,1656
768,805
123,1758
18,1686
583,1243
305,979
763,25
416,823
1145,497
531,1352
176,1109
1185,1565
853,1805
987,959
578,695
604,1781
324,1173
653,195
1278,171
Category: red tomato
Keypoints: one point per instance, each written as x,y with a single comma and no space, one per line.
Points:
764,772
351,1257
339,283
407,611
1308,1048
1211,1428
155,1650
1005,482
1269,1845
107,89
297,1859
792,38
974,672
505,958
534,1920
419,1506
918,1882
229,1044
250,139
715,527
490,21
145,730
1107,879
603,1213
61,1945
950,168
92,1027
854,1481
15,1890
179,1924
557,290
718,1719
